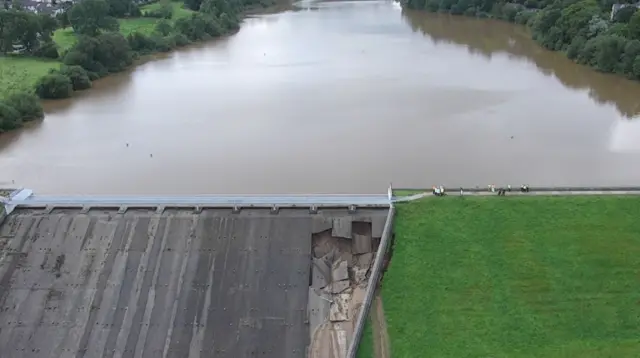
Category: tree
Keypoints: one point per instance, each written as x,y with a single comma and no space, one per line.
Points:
165,11
109,52
636,67
47,50
631,51
54,86
193,4
89,17
9,118
24,31
608,50
163,27
120,8
575,47
26,105
78,76
634,26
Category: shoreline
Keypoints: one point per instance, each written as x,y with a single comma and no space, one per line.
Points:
49,105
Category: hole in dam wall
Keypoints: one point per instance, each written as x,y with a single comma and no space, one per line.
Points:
182,282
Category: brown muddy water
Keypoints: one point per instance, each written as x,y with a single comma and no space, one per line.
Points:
338,97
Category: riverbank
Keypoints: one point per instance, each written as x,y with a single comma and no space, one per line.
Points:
19,73
584,31
152,33
515,276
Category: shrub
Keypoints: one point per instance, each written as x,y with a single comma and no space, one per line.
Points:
26,105
163,27
140,42
164,12
180,40
47,50
160,43
9,118
54,86
135,11
109,52
198,27
79,77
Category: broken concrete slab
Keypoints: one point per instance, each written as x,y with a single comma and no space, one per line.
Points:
331,256
348,257
340,271
339,310
320,273
361,244
341,227
337,287
364,260
377,226
360,275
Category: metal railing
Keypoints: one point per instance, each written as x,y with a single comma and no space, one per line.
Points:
372,285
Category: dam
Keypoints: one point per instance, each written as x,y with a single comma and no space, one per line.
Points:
171,277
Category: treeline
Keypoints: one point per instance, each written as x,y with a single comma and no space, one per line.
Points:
100,49
580,28
27,33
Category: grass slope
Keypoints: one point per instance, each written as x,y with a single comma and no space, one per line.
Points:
365,348
515,277
21,73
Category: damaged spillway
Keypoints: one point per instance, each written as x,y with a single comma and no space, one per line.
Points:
183,282
342,258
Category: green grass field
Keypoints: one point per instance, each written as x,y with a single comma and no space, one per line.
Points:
515,277
65,38
21,73
365,348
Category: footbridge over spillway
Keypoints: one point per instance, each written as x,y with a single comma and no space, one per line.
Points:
197,276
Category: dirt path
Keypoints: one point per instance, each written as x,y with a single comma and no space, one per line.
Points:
381,347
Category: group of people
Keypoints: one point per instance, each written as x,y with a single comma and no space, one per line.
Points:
439,190
524,188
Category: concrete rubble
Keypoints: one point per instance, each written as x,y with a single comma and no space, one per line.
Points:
343,256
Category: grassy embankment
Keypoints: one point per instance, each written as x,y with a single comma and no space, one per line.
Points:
21,73
365,348
515,277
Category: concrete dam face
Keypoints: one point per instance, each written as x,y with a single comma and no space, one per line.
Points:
182,282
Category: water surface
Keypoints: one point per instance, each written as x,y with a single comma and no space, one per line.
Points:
334,98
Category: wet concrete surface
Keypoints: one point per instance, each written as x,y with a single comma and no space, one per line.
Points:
144,283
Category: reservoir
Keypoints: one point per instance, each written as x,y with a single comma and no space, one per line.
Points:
337,97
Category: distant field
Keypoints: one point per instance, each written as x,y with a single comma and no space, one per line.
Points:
20,73
65,38
515,277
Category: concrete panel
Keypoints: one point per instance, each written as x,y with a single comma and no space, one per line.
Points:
361,244
339,271
365,260
318,308
320,224
338,286
377,225
320,273
341,227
